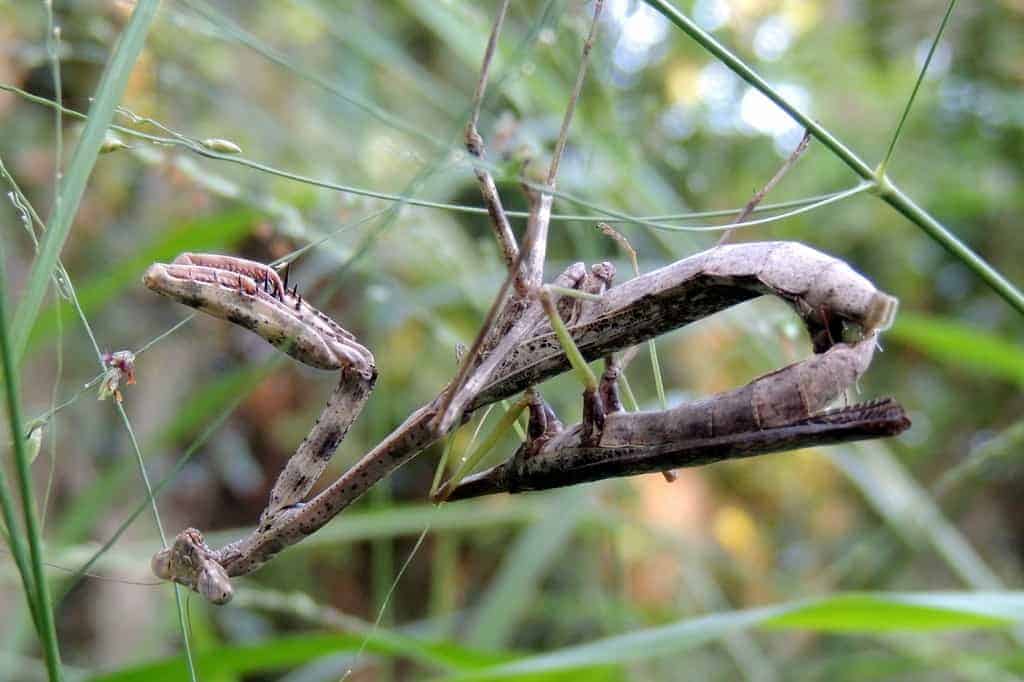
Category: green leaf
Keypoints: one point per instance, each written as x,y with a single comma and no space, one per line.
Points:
866,612
209,233
33,443
869,613
528,560
952,342
108,96
288,652
212,397
635,646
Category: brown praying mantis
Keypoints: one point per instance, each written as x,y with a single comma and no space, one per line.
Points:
531,333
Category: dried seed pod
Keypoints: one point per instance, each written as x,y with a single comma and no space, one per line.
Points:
112,143
221,146
120,366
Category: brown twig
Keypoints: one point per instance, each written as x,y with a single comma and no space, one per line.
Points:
475,147
760,194
527,274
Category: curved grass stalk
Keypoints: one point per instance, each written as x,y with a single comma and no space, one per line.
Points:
886,190
599,212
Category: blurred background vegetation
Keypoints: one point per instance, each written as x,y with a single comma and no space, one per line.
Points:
374,96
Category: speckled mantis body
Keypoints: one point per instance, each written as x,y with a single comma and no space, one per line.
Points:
778,411
517,349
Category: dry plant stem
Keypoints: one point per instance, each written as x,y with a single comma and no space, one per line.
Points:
508,318
530,275
759,196
499,333
536,239
581,73
475,147
504,333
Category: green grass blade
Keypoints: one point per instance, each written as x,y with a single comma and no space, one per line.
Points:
288,652
108,96
492,439
639,645
919,613
43,611
911,511
957,344
840,613
572,352
659,383
208,233
515,587
917,85
995,458
16,544
429,651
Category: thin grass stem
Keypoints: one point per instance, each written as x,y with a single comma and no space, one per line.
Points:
488,443
917,85
607,215
627,393
572,352
183,623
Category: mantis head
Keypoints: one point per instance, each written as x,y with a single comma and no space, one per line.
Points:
191,563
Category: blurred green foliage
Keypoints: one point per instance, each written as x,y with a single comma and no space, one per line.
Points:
375,96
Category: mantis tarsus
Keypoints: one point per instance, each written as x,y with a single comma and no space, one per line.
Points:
518,348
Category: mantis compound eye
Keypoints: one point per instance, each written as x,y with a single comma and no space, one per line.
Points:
161,565
213,584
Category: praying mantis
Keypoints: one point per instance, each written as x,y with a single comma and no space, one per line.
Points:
533,332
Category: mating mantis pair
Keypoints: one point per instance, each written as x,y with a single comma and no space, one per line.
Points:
533,332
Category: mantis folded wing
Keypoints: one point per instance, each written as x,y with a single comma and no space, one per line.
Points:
781,410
